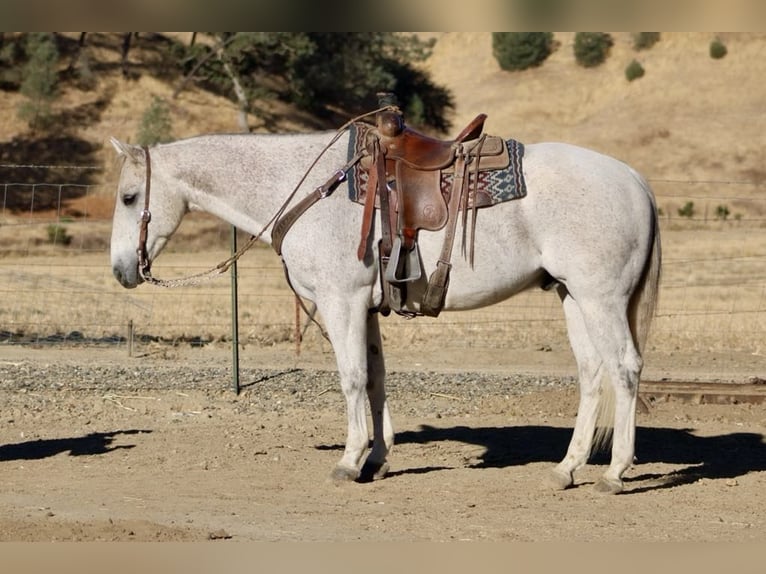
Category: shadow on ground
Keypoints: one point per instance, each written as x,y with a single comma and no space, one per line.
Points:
90,444
698,457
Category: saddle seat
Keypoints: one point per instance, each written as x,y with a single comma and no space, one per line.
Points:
418,150
415,164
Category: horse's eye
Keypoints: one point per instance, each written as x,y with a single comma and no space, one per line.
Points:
128,200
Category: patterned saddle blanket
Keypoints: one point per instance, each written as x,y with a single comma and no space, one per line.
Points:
493,186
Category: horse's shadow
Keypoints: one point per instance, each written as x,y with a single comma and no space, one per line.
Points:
91,444
699,457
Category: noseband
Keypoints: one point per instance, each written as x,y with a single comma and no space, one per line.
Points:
144,265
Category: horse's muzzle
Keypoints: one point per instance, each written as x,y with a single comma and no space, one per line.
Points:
127,280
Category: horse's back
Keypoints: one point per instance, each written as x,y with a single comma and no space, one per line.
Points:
580,187
551,161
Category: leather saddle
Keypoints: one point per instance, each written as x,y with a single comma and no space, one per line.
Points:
407,171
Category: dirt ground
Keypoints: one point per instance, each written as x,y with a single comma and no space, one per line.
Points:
98,446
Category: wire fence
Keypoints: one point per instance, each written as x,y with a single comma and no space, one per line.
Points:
57,284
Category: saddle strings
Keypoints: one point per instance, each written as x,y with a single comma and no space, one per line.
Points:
144,268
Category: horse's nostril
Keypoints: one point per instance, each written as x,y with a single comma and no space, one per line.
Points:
123,278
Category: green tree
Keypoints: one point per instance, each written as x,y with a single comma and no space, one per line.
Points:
39,80
592,48
634,70
327,74
521,50
645,40
156,124
717,49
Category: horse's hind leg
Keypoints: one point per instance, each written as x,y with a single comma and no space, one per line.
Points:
589,368
376,465
607,324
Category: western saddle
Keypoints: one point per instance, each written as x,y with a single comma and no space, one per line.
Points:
407,171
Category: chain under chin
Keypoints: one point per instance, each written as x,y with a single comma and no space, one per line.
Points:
145,267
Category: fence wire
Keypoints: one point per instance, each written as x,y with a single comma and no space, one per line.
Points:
57,284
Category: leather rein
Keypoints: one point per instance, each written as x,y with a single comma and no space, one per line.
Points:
144,264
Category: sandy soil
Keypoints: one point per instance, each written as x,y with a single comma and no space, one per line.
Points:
98,446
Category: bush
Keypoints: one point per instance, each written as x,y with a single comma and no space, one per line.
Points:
687,210
58,235
156,125
717,49
592,48
521,50
645,40
722,212
634,71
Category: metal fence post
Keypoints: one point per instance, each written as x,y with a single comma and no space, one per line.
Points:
234,316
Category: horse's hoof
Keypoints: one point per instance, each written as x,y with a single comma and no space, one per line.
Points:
341,474
373,471
557,480
608,486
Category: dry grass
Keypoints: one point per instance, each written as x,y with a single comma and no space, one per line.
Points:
707,302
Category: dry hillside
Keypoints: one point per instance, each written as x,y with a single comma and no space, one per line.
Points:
689,118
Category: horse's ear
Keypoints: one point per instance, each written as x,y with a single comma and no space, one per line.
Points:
132,152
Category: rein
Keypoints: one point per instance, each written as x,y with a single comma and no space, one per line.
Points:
144,265
323,191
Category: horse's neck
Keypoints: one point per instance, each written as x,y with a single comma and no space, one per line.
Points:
245,180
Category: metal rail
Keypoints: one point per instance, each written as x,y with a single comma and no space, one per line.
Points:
701,393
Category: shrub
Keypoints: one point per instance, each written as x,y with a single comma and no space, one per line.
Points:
58,235
687,210
722,212
592,48
39,80
634,71
521,50
717,49
645,40
156,125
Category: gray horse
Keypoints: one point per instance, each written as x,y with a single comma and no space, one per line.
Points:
588,222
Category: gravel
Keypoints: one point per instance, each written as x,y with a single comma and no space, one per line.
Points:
28,376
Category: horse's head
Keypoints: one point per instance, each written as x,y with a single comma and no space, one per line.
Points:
162,212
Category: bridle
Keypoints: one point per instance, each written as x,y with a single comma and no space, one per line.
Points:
144,265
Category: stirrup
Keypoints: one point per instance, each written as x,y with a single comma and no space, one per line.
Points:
406,269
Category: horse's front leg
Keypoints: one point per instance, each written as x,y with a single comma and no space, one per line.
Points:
346,322
376,465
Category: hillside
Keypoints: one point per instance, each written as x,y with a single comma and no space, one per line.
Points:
689,118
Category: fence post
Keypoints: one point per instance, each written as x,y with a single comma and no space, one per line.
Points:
130,338
234,316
